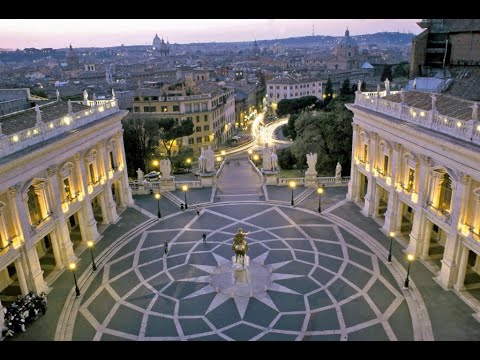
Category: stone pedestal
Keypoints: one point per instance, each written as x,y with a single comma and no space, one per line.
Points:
338,179
207,179
271,177
311,179
167,184
239,265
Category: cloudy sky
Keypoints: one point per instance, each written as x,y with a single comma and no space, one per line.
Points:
58,33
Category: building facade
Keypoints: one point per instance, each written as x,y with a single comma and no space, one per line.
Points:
290,87
415,170
212,112
63,172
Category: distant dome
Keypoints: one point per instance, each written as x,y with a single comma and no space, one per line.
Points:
156,42
347,41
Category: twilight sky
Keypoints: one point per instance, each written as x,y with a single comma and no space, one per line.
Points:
59,33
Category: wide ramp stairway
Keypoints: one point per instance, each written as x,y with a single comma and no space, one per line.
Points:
238,180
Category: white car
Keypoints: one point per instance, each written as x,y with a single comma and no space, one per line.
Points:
153,175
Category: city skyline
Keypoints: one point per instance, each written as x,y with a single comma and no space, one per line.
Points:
60,33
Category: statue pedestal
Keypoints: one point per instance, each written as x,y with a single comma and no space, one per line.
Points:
206,179
338,179
239,265
167,184
271,177
311,179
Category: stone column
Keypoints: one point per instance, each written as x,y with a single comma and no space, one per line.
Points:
103,207
476,213
39,189
56,245
370,195
2,320
111,206
19,213
61,233
437,178
377,200
428,226
462,268
102,160
35,273
392,208
351,195
122,163
459,201
417,233
119,189
22,280
86,219
425,163
3,229
447,271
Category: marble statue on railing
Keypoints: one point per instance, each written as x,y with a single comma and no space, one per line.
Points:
85,96
113,94
338,170
209,159
202,160
312,162
415,84
359,86
274,158
94,99
69,106
140,175
38,114
402,95
475,111
58,95
267,158
1,133
434,100
378,90
387,86
165,168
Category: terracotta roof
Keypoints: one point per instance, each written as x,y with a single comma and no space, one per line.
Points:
465,84
26,119
445,104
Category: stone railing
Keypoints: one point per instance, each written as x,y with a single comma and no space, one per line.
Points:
44,131
326,180
467,130
9,252
286,181
190,184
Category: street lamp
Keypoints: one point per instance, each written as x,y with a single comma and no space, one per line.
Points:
189,162
157,196
293,185
222,152
320,191
219,158
90,245
255,159
72,267
185,189
410,258
155,163
392,234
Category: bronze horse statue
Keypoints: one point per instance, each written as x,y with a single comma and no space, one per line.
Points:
240,245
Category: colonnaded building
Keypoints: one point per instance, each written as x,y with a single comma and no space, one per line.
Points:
416,171
62,173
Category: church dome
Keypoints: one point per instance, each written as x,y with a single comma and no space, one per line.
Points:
157,43
347,41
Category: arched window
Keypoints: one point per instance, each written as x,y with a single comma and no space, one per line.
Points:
34,206
445,193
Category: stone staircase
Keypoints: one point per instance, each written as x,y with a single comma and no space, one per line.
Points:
238,181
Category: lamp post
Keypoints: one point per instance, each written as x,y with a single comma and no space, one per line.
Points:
410,258
155,163
72,267
185,189
189,163
255,159
250,152
389,260
90,245
157,196
320,191
292,185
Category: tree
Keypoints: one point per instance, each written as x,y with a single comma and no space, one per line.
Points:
345,89
386,73
401,70
170,129
286,160
328,91
295,106
327,133
178,160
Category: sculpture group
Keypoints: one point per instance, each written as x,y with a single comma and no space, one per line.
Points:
206,160
270,159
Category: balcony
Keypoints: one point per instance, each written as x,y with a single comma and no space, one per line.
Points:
439,213
10,251
471,236
42,224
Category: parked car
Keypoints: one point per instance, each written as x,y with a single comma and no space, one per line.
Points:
154,175
180,171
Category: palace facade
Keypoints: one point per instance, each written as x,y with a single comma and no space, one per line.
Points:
63,173
415,170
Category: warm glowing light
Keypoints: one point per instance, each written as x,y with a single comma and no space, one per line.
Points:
51,125
155,162
15,138
478,128
72,266
445,120
292,184
320,190
223,152
219,158
90,243
184,187
422,113
101,108
157,196
414,113
189,161
66,120
410,257
465,229
250,152
388,180
459,124
392,234
255,157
